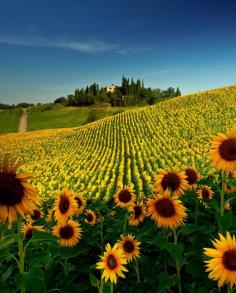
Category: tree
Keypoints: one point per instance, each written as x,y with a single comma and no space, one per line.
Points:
178,92
61,100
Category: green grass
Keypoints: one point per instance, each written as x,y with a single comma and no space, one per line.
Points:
42,118
9,120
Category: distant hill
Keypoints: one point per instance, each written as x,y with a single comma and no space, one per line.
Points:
127,148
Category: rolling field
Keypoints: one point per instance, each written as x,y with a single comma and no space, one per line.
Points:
40,117
109,218
9,120
65,116
126,149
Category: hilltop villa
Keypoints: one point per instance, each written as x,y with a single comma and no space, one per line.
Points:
111,88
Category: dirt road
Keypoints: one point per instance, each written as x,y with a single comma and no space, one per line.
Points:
23,123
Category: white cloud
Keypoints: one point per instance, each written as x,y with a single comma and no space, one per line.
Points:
91,46
133,51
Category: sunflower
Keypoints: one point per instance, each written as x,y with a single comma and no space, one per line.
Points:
69,233
137,214
223,151
222,265
229,189
34,215
17,195
64,206
205,192
172,180
124,197
227,205
231,174
112,263
90,217
81,202
192,176
28,229
130,247
166,211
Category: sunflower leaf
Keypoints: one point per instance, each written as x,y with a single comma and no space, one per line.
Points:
93,280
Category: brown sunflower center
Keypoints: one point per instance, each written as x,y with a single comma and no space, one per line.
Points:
66,232
111,262
28,234
171,181
11,190
128,246
79,201
36,215
191,176
165,207
64,204
229,260
205,193
125,196
137,212
227,149
89,217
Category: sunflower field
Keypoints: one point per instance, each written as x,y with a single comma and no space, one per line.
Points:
143,201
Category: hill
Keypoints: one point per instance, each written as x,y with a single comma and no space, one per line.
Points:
9,120
127,148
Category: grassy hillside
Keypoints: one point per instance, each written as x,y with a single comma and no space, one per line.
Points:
127,148
9,120
41,118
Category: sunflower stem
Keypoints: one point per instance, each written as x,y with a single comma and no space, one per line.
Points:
66,266
136,266
222,202
196,212
111,287
100,288
178,266
21,253
101,231
125,222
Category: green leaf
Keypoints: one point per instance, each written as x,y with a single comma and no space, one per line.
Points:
176,251
7,240
40,236
93,280
7,274
165,281
4,254
68,252
32,280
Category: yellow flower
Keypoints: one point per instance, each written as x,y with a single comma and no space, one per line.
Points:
205,192
112,263
130,247
222,265
124,197
17,195
223,151
69,233
34,215
28,230
171,180
65,206
166,211
137,214
81,202
227,205
90,217
192,176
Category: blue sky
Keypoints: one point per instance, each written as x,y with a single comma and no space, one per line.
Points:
50,48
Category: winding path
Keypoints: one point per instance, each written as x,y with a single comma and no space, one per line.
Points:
23,123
